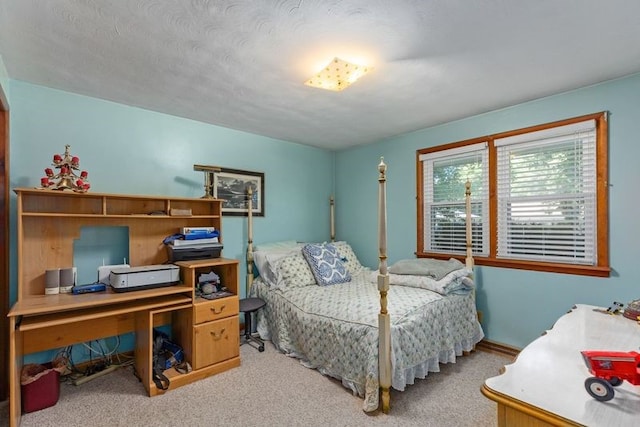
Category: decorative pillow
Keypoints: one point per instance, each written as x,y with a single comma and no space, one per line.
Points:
265,262
348,257
293,271
325,263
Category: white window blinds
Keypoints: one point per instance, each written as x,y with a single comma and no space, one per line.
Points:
444,176
546,186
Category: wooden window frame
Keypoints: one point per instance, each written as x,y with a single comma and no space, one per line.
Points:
600,269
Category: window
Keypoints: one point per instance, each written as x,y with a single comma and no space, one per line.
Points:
539,198
445,175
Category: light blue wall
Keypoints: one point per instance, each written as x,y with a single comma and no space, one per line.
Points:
134,151
517,305
130,150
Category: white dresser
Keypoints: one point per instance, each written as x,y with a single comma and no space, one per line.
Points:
545,384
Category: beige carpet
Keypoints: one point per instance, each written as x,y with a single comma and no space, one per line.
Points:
271,389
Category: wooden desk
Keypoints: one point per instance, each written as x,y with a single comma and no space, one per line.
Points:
48,224
545,385
37,327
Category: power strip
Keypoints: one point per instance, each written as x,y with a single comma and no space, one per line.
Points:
95,375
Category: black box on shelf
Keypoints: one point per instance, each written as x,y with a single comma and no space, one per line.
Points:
187,253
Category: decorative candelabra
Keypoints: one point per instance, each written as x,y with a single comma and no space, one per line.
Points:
209,172
66,178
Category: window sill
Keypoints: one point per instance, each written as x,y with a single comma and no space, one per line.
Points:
582,270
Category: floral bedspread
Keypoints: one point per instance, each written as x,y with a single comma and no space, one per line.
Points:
334,329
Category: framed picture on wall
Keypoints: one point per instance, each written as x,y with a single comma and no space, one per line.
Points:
231,185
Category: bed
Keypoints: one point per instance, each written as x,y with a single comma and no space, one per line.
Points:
380,328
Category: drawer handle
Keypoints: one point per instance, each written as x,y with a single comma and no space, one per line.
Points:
216,336
217,312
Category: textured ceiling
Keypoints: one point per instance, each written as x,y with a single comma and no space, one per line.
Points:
241,64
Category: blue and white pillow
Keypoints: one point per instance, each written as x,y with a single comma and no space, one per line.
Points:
325,263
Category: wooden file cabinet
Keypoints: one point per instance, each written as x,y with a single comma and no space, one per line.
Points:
216,330
216,341
216,309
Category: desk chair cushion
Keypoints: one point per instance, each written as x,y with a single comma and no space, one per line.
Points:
249,305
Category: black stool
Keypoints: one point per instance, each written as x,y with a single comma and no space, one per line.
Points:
248,306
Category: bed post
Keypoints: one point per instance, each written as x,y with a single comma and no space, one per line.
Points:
384,323
332,218
467,194
249,242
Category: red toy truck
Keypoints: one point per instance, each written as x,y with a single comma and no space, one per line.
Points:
609,369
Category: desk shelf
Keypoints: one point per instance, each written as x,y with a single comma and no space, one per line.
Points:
54,202
127,216
44,304
80,315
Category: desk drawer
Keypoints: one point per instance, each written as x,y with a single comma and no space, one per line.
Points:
216,309
216,341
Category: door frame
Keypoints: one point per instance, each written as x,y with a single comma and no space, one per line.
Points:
4,244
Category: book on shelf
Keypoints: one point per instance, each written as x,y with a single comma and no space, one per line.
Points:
197,230
180,212
199,233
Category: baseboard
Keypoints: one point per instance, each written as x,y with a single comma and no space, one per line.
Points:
495,347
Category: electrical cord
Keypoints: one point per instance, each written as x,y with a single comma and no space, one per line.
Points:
100,358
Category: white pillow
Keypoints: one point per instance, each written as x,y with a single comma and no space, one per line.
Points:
265,262
276,246
349,258
293,271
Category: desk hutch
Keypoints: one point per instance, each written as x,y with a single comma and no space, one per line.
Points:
48,222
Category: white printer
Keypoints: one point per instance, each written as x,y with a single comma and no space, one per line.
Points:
126,279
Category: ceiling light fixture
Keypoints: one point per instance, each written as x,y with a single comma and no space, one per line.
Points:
337,75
